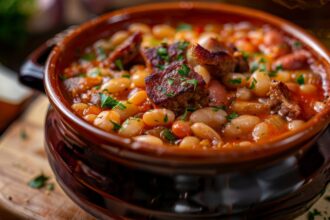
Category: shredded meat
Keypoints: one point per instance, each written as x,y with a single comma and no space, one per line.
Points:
170,89
127,50
281,101
293,61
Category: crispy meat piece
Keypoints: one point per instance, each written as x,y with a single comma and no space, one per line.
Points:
127,50
157,57
177,87
220,60
281,101
293,61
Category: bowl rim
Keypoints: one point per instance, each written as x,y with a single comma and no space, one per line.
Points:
286,142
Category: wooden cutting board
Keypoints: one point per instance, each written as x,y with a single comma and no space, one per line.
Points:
22,157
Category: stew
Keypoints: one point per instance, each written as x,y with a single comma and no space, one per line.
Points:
196,86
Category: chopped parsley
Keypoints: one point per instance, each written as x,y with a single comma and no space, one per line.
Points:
168,135
245,55
253,84
184,70
63,77
179,57
126,76
50,186
116,126
254,67
313,214
170,81
232,116
217,108
274,72
301,80
38,181
170,94
185,114
166,118
194,82
119,64
184,26
237,81
161,67
182,45
101,55
162,52
94,72
297,44
23,135
88,57
109,102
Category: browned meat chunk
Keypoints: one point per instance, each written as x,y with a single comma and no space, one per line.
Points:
126,51
177,87
157,58
220,59
293,61
77,85
281,101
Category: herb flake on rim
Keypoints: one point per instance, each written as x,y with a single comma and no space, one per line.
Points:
38,181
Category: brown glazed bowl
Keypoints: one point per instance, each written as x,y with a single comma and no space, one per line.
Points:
113,177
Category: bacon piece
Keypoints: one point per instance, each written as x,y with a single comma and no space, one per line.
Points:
175,91
293,61
126,51
281,101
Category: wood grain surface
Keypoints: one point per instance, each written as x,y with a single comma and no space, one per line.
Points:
22,157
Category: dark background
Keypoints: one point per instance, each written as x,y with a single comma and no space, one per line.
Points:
25,24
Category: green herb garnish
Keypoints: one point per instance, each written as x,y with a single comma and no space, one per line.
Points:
161,67
116,126
119,64
50,186
94,72
170,94
232,116
166,118
182,45
184,26
38,181
253,84
254,67
170,81
217,108
188,109
184,70
194,82
120,106
101,55
235,81
301,80
62,77
297,44
88,57
313,214
126,76
162,52
109,102
23,135
168,135
179,57
245,55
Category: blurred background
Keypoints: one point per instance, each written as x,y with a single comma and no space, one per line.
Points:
25,24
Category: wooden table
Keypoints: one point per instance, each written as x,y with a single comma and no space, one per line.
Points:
22,157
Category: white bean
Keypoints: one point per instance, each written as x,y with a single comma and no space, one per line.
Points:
106,119
116,85
260,131
189,142
242,125
152,140
211,116
242,107
295,124
131,127
243,94
201,70
203,131
157,117
260,83
163,31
